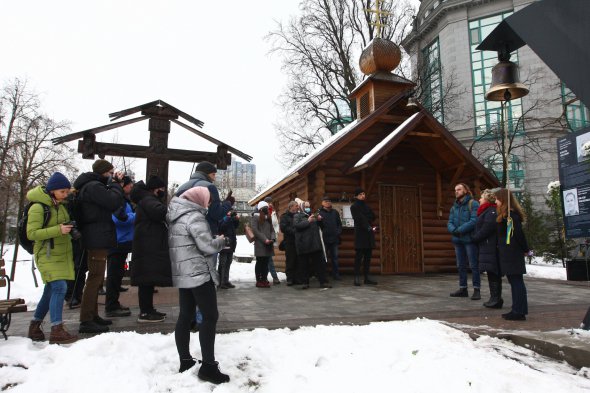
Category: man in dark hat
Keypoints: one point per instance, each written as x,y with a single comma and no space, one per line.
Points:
331,225
204,176
124,220
364,236
99,195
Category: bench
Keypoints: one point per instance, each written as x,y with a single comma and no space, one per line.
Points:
8,306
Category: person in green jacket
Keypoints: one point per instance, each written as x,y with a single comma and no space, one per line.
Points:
53,254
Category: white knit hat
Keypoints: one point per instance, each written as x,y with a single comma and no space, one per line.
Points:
261,205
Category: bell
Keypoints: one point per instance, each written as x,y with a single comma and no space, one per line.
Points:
505,83
412,103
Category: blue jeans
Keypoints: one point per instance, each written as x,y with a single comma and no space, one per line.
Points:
52,301
271,269
467,253
519,298
332,253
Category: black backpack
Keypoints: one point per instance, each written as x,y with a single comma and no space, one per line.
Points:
24,241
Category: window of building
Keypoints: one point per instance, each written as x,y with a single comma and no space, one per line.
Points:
488,113
515,170
432,80
576,113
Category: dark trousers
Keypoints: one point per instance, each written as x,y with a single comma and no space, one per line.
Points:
332,256
519,297
225,259
76,286
261,268
312,261
205,298
145,294
290,261
97,260
362,255
115,272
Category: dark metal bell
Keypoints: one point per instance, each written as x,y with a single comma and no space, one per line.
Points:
506,84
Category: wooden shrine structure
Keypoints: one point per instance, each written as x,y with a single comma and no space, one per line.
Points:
160,116
405,160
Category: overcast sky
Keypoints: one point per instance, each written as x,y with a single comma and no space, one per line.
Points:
208,58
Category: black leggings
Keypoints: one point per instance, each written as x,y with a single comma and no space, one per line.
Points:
205,297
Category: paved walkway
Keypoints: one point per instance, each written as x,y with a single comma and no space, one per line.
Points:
553,305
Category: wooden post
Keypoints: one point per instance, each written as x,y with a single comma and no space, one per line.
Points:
157,163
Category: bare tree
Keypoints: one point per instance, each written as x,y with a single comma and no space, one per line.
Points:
320,50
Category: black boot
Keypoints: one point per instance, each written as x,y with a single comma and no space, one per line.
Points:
496,300
210,372
461,292
476,294
185,364
357,281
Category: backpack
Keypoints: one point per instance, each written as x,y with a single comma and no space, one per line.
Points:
23,240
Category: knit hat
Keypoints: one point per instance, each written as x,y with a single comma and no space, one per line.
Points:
268,199
206,167
261,205
327,198
57,181
127,180
101,166
198,195
155,182
358,190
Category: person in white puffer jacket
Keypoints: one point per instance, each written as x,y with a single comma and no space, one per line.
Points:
194,274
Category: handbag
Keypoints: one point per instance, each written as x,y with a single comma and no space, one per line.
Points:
282,245
249,233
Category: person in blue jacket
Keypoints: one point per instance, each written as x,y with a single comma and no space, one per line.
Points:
462,219
124,220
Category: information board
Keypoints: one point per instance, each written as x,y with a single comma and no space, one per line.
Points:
574,177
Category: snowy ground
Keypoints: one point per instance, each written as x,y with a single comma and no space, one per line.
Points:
409,356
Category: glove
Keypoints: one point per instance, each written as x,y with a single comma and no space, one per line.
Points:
456,233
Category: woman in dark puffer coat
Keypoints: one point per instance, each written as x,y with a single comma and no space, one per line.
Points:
485,235
150,263
512,253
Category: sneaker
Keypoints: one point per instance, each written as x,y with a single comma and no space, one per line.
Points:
92,327
150,318
161,314
210,372
118,313
103,322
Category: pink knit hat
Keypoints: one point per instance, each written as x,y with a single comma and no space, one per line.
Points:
198,195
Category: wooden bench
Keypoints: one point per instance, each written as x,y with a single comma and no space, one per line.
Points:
8,306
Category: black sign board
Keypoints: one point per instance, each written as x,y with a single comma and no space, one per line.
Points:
574,177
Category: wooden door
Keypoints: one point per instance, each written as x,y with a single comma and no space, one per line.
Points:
400,229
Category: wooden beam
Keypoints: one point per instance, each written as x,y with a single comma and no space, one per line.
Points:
424,134
119,150
376,173
80,134
213,140
396,119
457,174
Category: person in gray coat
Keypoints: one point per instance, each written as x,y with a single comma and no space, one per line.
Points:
193,272
265,237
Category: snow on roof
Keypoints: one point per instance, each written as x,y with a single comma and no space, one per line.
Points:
301,163
385,141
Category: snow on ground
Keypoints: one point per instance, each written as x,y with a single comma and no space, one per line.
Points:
408,356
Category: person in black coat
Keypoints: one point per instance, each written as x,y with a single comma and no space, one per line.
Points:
308,243
150,262
99,195
512,249
331,225
485,236
364,236
227,228
288,230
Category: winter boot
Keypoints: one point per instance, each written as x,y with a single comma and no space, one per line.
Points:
368,281
210,372
357,281
59,335
35,332
461,292
476,294
496,300
186,364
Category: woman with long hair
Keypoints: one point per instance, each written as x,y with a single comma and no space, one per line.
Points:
512,248
265,237
486,237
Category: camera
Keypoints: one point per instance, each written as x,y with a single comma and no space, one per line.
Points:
74,233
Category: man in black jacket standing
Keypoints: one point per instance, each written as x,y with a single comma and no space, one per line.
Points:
288,229
331,229
364,236
99,195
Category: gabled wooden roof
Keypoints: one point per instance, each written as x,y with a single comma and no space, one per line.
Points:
421,131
